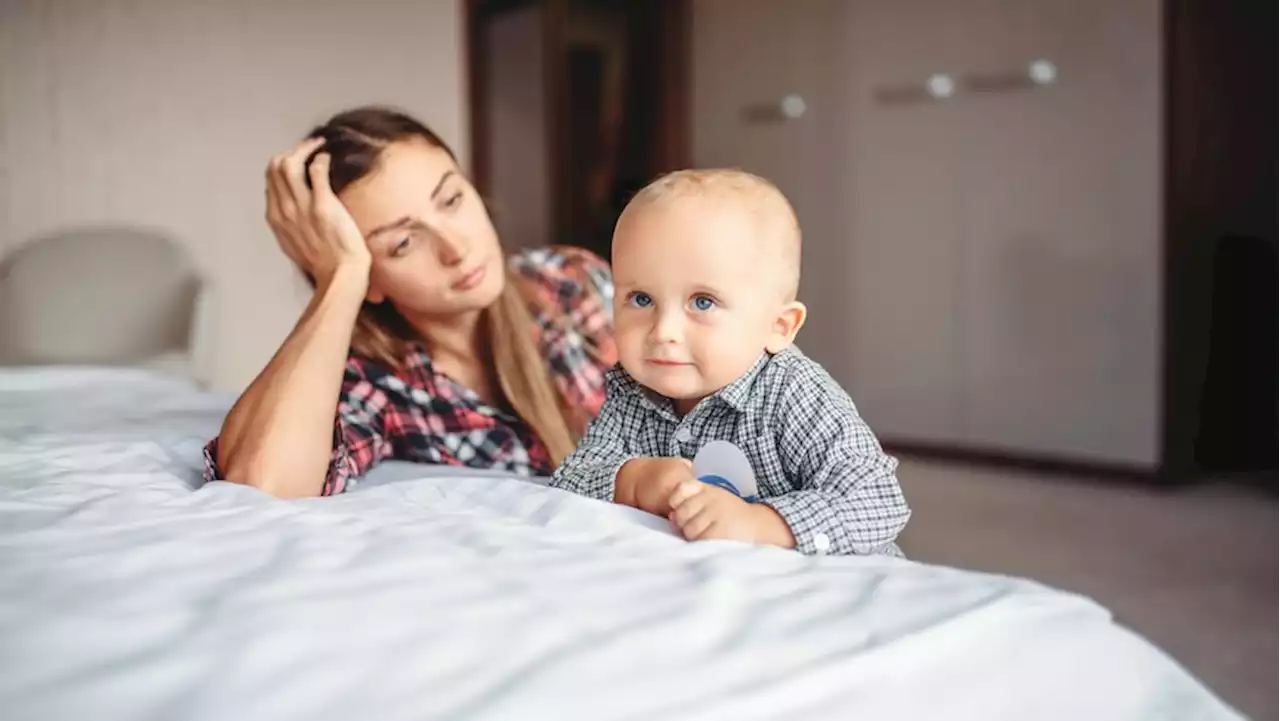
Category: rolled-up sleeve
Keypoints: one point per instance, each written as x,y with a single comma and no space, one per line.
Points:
359,436
848,500
592,469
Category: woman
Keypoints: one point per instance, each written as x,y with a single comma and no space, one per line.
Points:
432,345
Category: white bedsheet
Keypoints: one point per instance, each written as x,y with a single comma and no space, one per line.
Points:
129,592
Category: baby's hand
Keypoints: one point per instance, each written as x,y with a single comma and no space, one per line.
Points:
700,511
647,483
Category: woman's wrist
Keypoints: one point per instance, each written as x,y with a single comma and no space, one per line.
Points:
347,280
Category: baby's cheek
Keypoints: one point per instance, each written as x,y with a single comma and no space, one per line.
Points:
630,346
728,353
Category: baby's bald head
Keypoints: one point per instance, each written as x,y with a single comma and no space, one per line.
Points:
777,236
706,265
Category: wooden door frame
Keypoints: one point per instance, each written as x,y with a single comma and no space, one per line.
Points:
676,121
1217,135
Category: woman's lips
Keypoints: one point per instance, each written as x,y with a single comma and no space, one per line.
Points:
470,279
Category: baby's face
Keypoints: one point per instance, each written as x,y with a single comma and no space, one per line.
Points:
697,301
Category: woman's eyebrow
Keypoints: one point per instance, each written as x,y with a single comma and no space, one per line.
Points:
405,221
440,184
402,222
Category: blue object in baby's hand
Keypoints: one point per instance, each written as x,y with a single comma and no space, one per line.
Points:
724,465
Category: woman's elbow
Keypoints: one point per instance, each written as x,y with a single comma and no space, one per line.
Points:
268,479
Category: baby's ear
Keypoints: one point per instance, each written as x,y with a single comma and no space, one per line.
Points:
785,326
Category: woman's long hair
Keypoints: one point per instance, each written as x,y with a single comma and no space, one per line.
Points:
354,141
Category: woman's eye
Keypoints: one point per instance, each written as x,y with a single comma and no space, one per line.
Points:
702,303
453,201
402,246
639,300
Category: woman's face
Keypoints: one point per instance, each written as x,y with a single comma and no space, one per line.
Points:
435,251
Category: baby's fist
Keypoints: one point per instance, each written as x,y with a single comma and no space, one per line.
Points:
701,512
649,482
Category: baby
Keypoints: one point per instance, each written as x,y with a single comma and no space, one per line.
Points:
706,267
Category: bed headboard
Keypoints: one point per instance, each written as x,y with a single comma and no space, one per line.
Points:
104,296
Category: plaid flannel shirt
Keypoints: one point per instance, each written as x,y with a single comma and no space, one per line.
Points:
420,414
816,462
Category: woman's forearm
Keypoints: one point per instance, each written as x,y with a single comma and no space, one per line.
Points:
279,435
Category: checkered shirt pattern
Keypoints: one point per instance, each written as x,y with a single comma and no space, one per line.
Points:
420,414
816,462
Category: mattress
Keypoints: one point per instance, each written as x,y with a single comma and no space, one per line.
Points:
130,590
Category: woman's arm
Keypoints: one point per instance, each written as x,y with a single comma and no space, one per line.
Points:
279,435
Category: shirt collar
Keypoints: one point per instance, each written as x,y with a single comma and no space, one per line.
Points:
735,394
619,381
417,357
418,360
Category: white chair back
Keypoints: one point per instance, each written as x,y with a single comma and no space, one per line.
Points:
109,296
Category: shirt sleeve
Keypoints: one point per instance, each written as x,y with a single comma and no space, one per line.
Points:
578,285
592,469
592,310
572,291
359,436
848,500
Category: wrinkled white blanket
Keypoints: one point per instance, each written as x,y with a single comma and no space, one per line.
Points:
127,591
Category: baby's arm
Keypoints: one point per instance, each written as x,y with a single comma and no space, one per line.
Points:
847,500
592,468
602,466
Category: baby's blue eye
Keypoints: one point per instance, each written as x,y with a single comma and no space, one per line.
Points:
640,300
702,303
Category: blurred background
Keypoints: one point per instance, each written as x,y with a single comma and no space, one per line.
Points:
1037,232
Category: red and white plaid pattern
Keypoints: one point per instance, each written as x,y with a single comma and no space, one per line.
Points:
422,415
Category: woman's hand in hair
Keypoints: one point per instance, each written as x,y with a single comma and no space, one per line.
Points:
312,226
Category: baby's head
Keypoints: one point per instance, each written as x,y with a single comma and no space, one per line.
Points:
707,264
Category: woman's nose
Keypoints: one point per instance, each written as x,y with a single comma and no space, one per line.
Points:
451,248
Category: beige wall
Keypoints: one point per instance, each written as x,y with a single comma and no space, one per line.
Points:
162,113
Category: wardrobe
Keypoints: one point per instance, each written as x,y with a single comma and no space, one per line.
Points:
990,251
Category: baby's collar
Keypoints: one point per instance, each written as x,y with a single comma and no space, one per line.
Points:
735,394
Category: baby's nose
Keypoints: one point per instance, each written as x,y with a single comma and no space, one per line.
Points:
666,328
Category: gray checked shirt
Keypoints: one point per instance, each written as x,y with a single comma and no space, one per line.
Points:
816,462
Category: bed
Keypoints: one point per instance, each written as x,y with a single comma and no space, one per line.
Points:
129,590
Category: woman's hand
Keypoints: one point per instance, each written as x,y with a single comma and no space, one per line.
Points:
312,226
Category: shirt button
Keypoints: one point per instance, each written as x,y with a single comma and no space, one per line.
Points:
821,543
684,435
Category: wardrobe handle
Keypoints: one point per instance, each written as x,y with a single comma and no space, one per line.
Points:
941,86
938,86
1037,73
789,107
